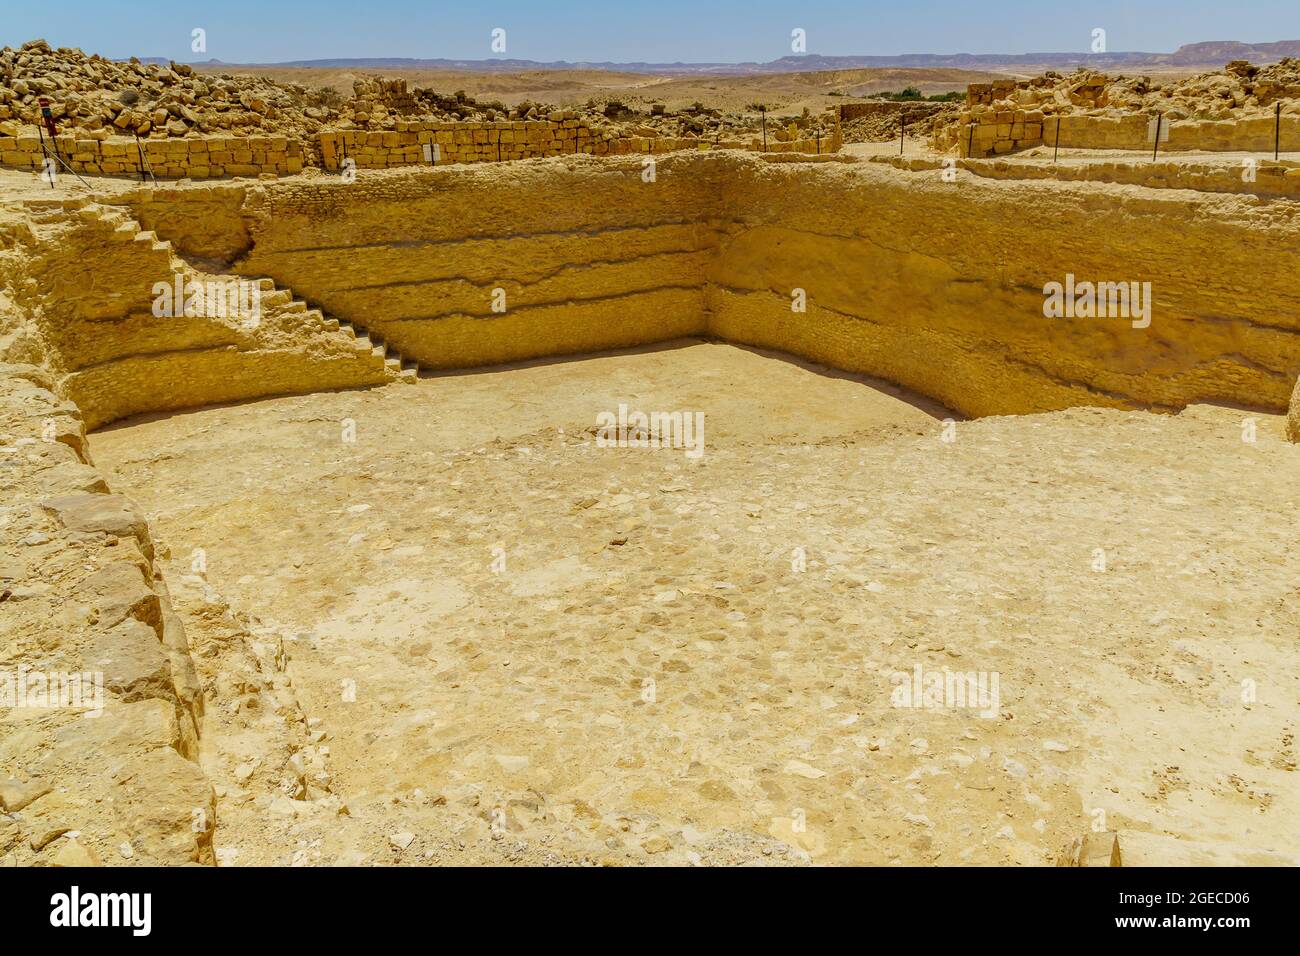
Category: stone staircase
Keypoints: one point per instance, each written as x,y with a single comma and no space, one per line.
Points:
282,299
273,297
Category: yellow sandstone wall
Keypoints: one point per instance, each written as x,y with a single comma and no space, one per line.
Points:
938,286
484,142
84,277
204,157
1263,177
999,132
934,285
582,255
197,157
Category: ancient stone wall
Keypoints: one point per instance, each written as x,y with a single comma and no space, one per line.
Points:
997,132
1251,134
984,130
194,157
418,142
412,143
464,266
455,267
1263,177
909,110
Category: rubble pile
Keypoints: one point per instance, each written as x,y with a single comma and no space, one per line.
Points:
1237,91
99,98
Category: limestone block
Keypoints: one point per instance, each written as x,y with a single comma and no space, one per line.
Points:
132,660
167,806
110,514
120,591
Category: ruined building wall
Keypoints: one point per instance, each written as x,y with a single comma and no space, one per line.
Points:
204,157
1005,131
197,157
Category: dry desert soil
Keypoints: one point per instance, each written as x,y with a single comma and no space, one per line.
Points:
511,644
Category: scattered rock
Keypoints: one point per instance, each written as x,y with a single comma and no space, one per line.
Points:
800,769
71,852
15,795
656,844
44,837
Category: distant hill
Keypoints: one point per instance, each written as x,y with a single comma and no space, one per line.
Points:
1209,54
1221,51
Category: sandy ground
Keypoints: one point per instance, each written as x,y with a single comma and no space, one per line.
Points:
512,645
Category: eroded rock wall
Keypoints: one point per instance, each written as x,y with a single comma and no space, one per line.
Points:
462,267
935,285
939,286
100,708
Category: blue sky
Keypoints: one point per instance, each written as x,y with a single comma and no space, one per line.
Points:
661,30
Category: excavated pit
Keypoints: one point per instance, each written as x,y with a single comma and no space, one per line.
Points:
433,622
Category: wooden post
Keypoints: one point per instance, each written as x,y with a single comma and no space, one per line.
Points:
970,140
1277,131
139,151
1057,148
44,155
1160,117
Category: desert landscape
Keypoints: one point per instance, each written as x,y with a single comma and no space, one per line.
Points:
840,463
